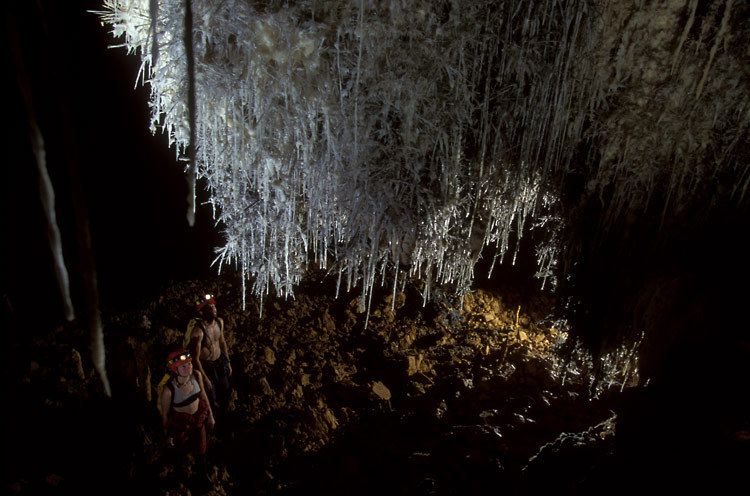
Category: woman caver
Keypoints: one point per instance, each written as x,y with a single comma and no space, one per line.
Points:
185,409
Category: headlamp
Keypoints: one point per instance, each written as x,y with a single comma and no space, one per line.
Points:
207,299
181,358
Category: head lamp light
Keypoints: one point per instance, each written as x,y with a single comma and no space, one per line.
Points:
178,358
207,299
181,358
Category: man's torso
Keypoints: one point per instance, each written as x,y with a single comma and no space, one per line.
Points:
210,340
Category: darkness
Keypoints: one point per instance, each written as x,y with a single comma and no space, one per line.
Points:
90,115
95,130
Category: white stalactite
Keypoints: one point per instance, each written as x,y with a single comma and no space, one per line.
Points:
377,134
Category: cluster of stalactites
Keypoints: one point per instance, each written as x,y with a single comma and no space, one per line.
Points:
394,140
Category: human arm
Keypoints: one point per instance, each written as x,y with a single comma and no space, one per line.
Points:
196,345
223,344
166,403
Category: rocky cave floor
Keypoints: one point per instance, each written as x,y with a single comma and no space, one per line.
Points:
450,398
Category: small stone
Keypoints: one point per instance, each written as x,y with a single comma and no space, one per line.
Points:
267,390
270,355
381,390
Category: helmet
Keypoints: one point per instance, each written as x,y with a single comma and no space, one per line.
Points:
177,358
203,300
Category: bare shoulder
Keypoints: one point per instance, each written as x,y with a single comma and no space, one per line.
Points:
166,392
197,330
197,333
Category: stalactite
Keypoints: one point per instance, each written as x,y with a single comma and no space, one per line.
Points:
345,134
717,40
46,190
47,195
154,32
191,115
688,25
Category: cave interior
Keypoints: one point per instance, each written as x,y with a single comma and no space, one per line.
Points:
469,407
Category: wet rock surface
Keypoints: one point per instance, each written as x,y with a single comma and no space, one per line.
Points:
450,398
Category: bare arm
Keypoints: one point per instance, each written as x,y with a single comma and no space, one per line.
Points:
223,344
166,403
196,345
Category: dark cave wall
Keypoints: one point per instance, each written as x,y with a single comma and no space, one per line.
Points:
89,113
675,278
